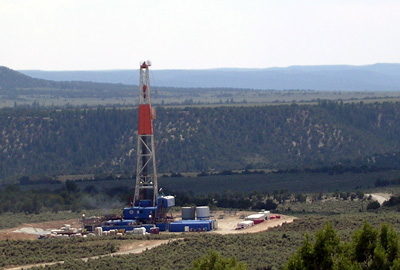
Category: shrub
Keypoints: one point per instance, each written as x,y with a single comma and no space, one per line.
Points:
373,205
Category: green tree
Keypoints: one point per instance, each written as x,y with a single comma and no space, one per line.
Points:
379,260
214,261
373,205
364,243
369,249
327,244
304,258
319,255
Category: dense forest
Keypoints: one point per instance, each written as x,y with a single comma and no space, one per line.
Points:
75,141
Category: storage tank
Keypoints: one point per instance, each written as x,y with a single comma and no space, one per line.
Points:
203,212
188,213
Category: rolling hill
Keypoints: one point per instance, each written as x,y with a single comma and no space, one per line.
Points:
75,141
377,77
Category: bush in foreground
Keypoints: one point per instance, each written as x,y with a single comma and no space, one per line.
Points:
214,261
368,249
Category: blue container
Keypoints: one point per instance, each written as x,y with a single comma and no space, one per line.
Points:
190,225
145,203
163,226
137,212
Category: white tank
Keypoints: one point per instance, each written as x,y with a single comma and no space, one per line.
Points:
188,213
203,212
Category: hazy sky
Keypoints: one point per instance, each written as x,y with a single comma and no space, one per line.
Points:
196,34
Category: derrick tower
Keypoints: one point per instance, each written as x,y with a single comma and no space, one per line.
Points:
146,175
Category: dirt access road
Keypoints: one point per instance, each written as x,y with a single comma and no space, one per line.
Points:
380,197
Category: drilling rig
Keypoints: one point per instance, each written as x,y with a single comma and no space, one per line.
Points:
146,189
148,209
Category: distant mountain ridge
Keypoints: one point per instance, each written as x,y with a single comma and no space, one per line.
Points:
376,77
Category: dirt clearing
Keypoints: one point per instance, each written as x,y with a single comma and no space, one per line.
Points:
228,224
31,231
380,197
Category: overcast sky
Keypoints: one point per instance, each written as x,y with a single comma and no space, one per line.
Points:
196,34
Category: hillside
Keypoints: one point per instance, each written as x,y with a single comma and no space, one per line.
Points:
377,77
12,79
196,139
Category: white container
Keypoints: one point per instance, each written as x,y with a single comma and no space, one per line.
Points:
214,224
170,200
255,216
98,231
142,231
203,212
245,224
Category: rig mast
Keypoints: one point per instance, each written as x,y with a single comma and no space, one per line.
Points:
146,175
